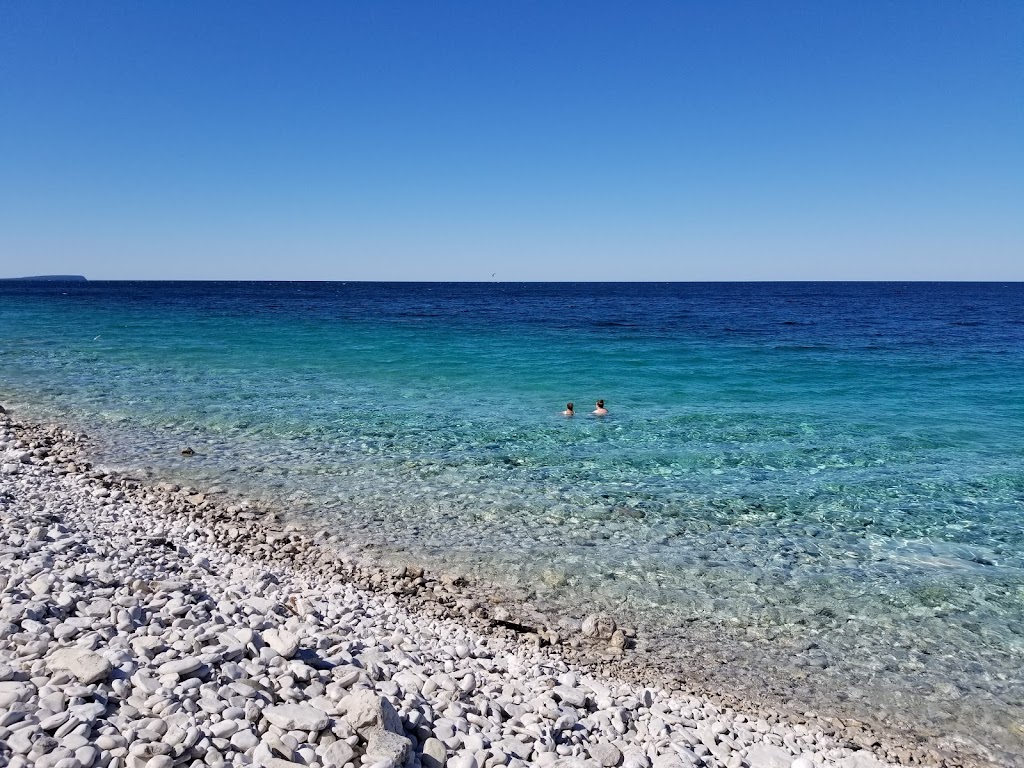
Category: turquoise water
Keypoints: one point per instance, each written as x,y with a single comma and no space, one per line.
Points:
826,479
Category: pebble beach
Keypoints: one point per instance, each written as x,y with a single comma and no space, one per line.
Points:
159,626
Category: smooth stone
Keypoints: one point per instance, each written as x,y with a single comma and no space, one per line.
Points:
572,696
53,722
180,667
225,729
147,750
244,740
435,755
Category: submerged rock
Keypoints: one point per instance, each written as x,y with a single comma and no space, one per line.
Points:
599,626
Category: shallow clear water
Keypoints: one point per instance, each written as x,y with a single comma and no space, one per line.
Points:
830,477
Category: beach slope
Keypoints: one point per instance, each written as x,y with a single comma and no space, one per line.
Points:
136,632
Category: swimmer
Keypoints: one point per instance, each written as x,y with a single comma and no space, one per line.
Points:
569,410
600,410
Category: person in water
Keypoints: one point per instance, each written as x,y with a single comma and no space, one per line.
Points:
600,410
568,410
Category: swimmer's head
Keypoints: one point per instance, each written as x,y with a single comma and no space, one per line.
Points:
600,403
568,406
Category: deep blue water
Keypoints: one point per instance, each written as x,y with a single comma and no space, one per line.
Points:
782,461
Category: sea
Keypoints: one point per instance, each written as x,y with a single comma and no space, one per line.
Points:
810,493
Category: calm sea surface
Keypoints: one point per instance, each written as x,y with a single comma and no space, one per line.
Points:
826,479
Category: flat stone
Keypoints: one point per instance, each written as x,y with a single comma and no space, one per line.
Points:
85,665
670,760
861,759
98,608
148,750
180,666
280,762
54,722
296,717
768,756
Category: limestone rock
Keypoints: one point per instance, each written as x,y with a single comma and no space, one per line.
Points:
385,745
296,717
606,754
769,756
87,666
365,709
282,641
337,754
599,626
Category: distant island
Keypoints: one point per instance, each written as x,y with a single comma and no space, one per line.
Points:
54,278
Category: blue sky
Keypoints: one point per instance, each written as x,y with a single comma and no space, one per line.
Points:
535,140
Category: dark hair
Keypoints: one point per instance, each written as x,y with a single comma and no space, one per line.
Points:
600,403
568,406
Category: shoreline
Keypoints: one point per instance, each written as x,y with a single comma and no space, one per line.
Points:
225,531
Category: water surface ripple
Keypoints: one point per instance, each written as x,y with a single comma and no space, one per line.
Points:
827,479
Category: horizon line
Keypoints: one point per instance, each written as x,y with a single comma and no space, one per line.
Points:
81,279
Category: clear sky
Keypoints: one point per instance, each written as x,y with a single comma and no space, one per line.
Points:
683,140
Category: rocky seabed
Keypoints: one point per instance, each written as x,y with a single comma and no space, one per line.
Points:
151,627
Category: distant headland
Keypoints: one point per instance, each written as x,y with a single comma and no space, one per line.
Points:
54,278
